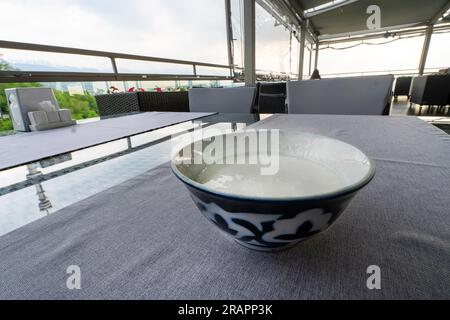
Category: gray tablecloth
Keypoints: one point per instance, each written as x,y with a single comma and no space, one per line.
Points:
26,147
146,239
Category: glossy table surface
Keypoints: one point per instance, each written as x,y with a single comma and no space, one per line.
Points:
32,191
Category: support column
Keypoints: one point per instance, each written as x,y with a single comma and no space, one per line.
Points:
301,59
426,46
249,43
230,43
310,61
316,59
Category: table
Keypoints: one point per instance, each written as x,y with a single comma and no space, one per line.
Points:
24,148
143,238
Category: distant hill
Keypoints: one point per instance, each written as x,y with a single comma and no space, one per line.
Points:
42,67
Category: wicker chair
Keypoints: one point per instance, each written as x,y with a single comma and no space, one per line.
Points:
164,101
117,103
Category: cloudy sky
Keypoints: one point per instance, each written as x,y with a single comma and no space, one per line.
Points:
190,30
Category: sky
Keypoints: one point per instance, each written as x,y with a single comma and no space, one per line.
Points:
179,29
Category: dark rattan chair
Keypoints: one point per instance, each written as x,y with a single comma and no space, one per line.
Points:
117,103
164,101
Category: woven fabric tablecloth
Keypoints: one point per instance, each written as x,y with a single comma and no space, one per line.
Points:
146,239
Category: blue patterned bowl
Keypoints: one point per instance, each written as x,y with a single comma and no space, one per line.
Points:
315,179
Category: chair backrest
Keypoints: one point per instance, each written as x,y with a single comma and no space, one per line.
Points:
438,89
271,97
431,90
224,100
402,86
21,101
117,103
417,89
348,96
164,101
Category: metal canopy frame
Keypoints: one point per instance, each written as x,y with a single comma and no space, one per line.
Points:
332,6
289,13
230,41
428,35
426,27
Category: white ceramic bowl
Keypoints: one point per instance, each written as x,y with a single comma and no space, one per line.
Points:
314,181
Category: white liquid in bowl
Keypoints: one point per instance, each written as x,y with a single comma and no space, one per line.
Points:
295,178
306,166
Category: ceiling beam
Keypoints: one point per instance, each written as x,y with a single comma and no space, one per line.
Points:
440,13
277,16
331,37
331,7
411,31
369,32
297,8
283,8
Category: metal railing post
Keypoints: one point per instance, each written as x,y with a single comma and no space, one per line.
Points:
114,67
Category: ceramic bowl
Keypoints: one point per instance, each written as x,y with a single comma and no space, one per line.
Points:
308,187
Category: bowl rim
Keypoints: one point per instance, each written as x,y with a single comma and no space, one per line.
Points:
323,196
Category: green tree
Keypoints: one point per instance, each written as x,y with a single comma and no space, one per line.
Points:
82,106
4,65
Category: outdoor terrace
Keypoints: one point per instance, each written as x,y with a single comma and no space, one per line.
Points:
88,171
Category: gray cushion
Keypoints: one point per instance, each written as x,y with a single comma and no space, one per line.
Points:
53,116
41,120
225,100
38,117
65,114
348,96
52,125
